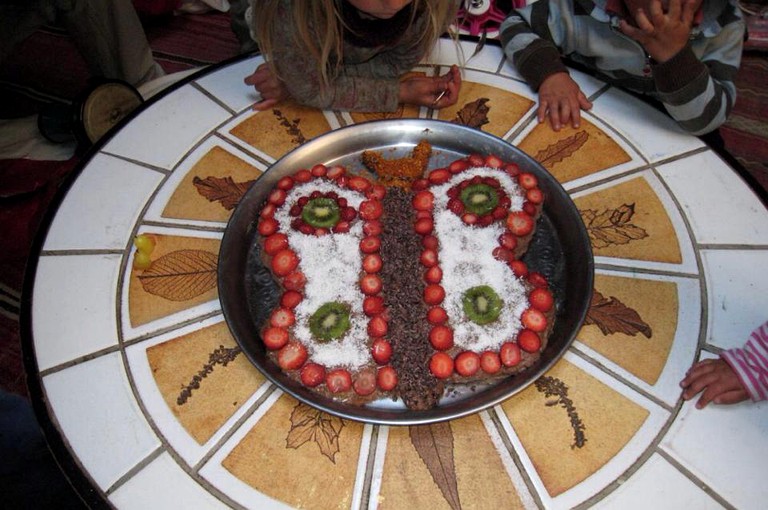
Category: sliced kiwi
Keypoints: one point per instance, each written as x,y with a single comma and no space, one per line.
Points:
481,304
479,198
330,321
321,212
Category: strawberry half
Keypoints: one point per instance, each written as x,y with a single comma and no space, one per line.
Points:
365,383
510,354
370,209
284,261
381,351
282,318
441,365
312,375
274,338
377,326
520,223
467,363
338,381
441,338
386,378
534,320
490,362
541,299
275,243
292,356
529,341
423,201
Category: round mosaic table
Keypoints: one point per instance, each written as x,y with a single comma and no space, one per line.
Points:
149,402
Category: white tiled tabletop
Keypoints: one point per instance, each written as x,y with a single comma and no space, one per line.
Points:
102,396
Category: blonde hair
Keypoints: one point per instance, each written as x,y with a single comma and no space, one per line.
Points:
318,29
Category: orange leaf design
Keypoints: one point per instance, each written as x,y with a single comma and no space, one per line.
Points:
612,226
434,444
561,149
613,316
180,275
223,190
309,424
473,114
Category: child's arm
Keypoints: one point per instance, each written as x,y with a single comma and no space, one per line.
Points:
738,374
716,381
530,45
697,91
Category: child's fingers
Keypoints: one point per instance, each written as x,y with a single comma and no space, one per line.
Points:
731,397
674,9
688,11
265,105
541,111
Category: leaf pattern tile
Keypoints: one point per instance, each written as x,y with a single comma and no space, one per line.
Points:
571,424
211,189
488,108
450,465
632,322
572,153
204,378
629,221
280,130
182,275
300,456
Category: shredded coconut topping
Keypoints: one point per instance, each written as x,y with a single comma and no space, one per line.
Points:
466,258
332,265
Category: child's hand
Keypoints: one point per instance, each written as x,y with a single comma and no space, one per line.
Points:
433,91
268,86
561,99
717,380
663,35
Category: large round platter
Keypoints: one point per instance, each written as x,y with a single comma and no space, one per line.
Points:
560,250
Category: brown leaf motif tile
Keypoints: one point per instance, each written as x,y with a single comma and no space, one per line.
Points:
632,322
491,109
571,424
204,378
449,465
212,187
572,153
629,221
281,129
182,274
300,456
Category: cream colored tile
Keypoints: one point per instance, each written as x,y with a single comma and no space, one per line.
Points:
90,217
657,484
651,131
736,299
167,129
163,484
227,84
719,206
725,447
73,307
94,407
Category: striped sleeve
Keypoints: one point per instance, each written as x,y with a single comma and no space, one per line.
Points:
698,90
751,363
528,43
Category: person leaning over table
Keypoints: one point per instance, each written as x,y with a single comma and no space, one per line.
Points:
350,54
682,53
738,374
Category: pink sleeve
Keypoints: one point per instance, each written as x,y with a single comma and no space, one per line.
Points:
751,363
